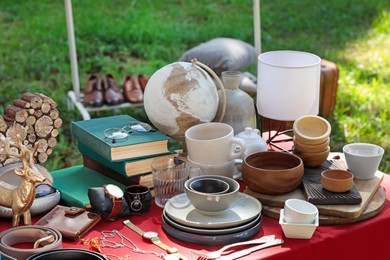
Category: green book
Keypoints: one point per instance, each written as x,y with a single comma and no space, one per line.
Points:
74,182
135,145
128,168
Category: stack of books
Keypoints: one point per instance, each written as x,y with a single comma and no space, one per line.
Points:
127,161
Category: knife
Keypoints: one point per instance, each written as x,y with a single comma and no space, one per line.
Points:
244,252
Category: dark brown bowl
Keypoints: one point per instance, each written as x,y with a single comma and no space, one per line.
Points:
272,172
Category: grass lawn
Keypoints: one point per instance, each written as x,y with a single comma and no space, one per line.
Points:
128,37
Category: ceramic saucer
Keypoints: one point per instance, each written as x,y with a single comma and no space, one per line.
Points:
242,210
222,239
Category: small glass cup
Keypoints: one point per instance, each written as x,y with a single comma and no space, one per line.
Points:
169,176
118,134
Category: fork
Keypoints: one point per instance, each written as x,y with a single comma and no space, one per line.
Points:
218,253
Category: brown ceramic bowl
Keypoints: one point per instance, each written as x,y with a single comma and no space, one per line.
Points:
336,180
313,148
311,129
272,172
312,160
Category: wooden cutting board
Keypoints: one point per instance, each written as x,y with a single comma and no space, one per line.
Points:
367,189
373,208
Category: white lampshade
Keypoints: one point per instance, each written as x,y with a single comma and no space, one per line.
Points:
288,84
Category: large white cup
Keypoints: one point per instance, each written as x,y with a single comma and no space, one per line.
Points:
222,169
363,159
213,142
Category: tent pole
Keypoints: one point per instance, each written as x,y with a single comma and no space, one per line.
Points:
256,26
72,49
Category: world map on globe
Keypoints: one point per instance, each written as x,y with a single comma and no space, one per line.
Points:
178,96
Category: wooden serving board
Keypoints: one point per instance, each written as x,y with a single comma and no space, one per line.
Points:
373,208
367,189
317,195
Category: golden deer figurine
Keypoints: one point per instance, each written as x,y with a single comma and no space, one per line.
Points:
20,199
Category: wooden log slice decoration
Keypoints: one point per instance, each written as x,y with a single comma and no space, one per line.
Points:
44,126
35,117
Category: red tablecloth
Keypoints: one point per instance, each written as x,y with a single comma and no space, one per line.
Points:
364,240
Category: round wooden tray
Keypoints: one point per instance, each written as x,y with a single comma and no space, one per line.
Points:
373,208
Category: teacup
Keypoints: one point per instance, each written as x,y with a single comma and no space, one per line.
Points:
138,197
213,142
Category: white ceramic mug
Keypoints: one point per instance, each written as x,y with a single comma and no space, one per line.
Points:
213,142
222,169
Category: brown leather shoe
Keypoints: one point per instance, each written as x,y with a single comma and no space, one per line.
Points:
132,89
112,92
93,92
143,80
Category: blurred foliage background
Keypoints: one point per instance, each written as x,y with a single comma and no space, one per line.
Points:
126,37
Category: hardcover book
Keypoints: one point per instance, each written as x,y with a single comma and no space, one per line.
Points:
135,145
128,168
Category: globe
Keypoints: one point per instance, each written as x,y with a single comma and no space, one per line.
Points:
178,96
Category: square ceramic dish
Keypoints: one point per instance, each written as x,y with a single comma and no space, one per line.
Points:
301,231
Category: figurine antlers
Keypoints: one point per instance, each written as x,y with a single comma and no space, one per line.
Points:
20,198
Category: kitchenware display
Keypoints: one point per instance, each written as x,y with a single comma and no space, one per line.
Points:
337,180
245,208
363,159
272,172
209,185
311,129
209,203
218,253
211,231
212,239
299,211
297,230
169,176
317,195
222,169
213,142
250,250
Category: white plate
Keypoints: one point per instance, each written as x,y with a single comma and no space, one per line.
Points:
211,231
244,209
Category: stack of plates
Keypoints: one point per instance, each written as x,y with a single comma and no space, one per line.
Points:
241,221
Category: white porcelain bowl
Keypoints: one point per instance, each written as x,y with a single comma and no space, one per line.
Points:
299,211
212,204
363,159
295,230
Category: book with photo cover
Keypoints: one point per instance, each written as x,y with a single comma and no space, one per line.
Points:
135,145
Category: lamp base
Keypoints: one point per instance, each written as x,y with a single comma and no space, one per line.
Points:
280,139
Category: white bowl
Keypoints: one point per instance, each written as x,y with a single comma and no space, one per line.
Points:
294,230
299,211
363,159
212,204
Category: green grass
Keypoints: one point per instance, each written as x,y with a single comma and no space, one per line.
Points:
128,37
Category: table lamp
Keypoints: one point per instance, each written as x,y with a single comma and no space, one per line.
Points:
288,84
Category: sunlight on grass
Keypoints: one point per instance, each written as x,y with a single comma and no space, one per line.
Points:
364,89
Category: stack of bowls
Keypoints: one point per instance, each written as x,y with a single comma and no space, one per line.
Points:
211,195
311,140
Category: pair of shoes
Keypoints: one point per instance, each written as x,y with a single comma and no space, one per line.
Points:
99,91
133,88
93,93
